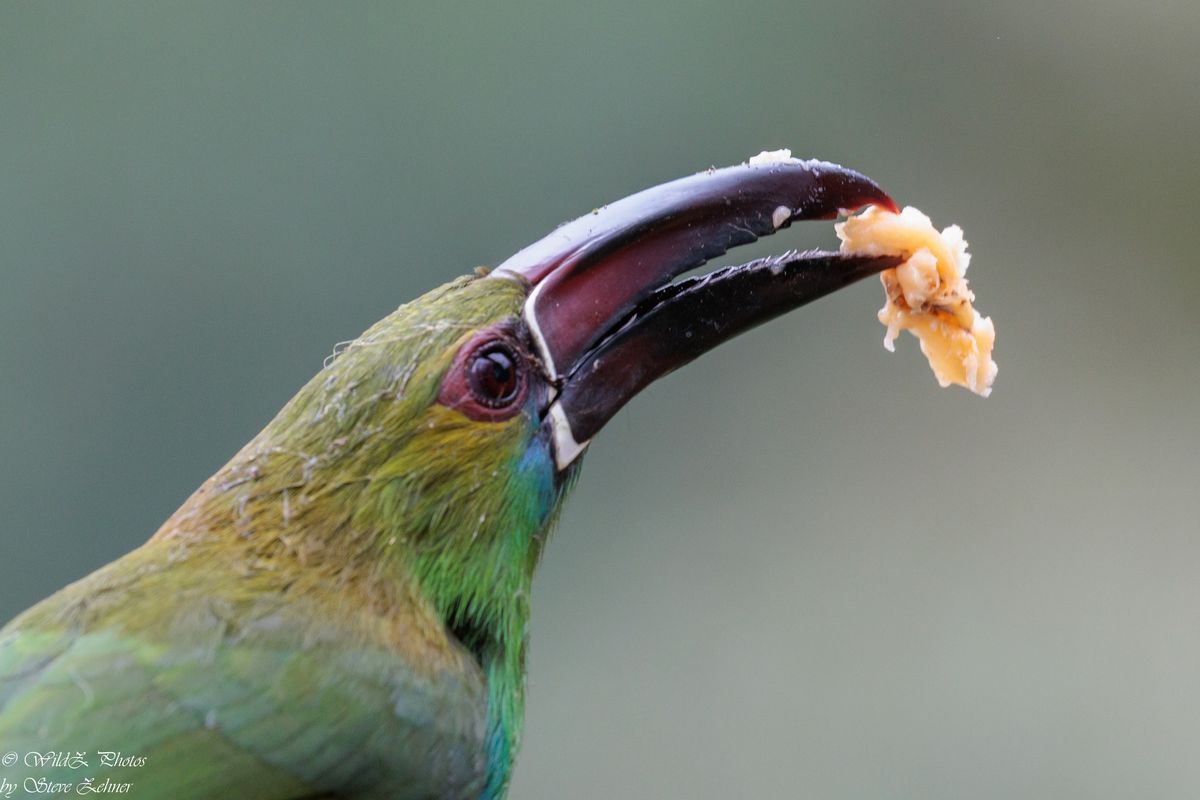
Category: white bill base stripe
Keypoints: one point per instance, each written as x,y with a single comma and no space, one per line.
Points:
566,449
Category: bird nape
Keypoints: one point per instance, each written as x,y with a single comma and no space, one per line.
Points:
342,609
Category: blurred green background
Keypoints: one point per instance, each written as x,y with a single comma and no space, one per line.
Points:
749,595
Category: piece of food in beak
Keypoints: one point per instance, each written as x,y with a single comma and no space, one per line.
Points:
927,295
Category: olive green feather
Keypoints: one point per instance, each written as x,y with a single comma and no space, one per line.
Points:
289,631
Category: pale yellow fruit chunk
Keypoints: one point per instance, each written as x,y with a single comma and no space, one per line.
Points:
927,295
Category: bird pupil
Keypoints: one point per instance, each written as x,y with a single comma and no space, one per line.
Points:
501,369
494,378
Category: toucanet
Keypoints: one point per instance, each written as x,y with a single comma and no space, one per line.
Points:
342,609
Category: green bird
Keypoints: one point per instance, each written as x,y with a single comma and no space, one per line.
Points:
342,609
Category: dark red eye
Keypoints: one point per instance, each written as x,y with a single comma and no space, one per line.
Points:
492,375
489,378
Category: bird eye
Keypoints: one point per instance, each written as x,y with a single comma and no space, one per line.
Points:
492,375
489,377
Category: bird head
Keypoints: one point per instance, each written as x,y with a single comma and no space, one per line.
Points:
442,441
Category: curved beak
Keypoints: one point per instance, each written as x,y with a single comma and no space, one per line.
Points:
607,318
